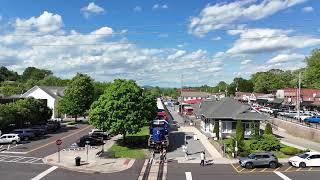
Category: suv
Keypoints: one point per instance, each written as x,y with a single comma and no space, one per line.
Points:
259,159
307,159
24,134
9,138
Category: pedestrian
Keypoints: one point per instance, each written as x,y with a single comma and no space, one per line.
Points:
202,158
185,150
152,156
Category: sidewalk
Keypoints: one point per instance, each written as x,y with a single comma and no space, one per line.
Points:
210,149
296,142
93,164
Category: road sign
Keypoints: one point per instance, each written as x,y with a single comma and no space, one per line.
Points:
58,142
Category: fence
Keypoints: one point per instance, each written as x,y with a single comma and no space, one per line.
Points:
296,121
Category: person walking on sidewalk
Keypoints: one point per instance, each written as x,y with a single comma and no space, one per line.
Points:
202,157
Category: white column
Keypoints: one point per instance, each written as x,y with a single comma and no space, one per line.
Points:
220,129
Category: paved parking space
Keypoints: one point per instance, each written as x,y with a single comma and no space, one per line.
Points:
68,135
283,168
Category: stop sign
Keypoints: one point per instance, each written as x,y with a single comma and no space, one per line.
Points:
58,142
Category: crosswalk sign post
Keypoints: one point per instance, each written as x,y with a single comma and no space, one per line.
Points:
58,143
87,147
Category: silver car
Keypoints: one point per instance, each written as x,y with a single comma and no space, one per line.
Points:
259,159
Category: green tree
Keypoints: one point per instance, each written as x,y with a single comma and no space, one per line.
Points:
35,73
122,109
78,96
7,75
239,138
268,129
216,128
241,85
312,75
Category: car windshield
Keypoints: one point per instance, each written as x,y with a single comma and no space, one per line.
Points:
303,156
252,156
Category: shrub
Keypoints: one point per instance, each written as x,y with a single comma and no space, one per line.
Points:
267,142
239,131
216,129
290,150
268,129
243,154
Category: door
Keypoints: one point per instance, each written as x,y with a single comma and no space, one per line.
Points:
3,139
259,160
314,160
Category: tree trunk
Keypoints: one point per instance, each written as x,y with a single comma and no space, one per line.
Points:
124,138
75,118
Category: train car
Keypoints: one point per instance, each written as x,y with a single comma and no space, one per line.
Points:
159,129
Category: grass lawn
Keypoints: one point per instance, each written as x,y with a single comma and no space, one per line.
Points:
134,147
247,143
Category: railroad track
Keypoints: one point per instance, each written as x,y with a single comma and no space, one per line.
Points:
153,170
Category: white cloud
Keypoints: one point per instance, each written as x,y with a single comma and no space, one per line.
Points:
281,58
92,8
137,9
307,9
245,62
267,40
216,38
177,54
159,6
221,15
46,22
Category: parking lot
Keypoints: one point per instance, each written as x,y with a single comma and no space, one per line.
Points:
282,168
45,145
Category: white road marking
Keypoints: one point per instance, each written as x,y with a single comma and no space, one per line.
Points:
165,171
44,173
188,176
21,159
143,169
284,177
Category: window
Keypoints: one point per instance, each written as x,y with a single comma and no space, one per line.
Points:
316,156
259,157
234,125
266,156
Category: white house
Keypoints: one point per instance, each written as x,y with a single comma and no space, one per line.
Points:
49,93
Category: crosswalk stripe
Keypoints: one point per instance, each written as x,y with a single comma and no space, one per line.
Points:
188,176
44,173
21,159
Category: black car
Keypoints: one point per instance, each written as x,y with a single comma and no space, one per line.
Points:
39,131
98,135
91,141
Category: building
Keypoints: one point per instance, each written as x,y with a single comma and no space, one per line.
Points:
49,93
8,99
227,112
310,98
191,95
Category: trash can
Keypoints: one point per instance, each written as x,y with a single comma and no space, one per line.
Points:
78,160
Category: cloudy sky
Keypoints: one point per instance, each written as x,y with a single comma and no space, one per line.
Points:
154,42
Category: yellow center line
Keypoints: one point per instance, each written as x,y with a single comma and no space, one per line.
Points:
55,141
310,169
288,168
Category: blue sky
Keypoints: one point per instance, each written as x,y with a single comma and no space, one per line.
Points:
154,42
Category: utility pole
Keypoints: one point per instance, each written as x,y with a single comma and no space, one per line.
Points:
181,97
298,98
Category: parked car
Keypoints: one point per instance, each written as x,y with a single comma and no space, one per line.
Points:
24,134
92,141
313,119
259,159
303,116
97,131
9,138
267,110
38,131
99,135
305,160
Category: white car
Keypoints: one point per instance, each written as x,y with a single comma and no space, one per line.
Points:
267,110
97,131
308,159
302,116
9,138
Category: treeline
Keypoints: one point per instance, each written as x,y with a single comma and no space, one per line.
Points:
12,83
23,113
157,92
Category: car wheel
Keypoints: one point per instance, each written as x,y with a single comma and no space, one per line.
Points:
302,165
273,165
249,165
14,142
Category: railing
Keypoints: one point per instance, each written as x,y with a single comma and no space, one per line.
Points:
300,122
